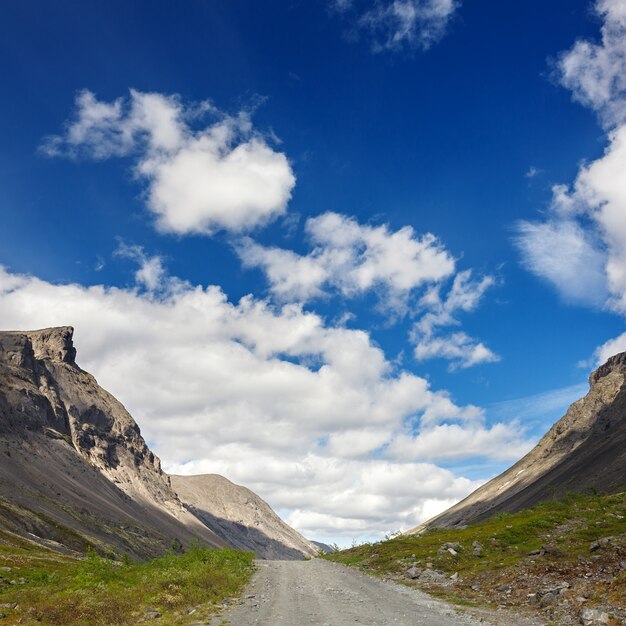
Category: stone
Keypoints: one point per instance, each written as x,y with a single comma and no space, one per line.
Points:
431,575
154,614
477,548
600,543
591,617
412,573
547,599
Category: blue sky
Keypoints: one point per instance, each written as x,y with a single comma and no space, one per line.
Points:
377,180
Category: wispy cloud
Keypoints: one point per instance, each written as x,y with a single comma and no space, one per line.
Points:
398,24
538,410
457,347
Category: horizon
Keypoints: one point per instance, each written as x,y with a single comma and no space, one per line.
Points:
355,258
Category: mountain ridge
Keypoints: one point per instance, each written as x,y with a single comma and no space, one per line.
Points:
584,450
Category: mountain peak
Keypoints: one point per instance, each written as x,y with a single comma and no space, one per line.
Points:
53,344
616,363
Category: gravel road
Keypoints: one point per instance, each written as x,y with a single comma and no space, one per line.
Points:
302,593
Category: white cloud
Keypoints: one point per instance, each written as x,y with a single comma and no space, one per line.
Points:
455,441
459,348
581,246
270,397
596,73
151,274
396,24
291,276
610,348
352,259
533,172
199,180
562,252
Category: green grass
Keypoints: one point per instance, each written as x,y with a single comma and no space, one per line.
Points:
94,590
568,524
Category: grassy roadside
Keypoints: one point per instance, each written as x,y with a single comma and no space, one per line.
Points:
542,558
39,586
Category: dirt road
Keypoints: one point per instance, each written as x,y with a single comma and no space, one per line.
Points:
320,593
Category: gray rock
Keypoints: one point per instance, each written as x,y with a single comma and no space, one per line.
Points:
600,543
412,573
150,615
477,548
548,599
432,575
591,617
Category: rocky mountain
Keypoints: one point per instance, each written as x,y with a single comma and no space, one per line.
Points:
74,468
585,450
241,517
76,472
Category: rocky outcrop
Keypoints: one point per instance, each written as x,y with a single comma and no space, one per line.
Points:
241,517
584,450
74,467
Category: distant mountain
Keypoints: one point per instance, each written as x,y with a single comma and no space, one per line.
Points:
74,468
324,547
585,450
241,517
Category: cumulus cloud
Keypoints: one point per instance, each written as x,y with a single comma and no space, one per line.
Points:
200,178
352,258
460,349
581,246
398,24
269,396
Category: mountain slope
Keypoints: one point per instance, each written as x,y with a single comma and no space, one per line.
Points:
584,450
241,517
74,467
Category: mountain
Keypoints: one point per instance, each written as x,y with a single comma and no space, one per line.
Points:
241,517
585,450
74,468
75,471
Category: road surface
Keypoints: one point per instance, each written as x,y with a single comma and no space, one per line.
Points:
321,593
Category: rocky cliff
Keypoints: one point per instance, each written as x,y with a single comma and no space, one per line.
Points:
74,468
241,517
584,450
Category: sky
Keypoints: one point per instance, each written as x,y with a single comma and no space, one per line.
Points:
357,255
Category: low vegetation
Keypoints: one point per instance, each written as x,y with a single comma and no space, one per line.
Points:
39,586
561,557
